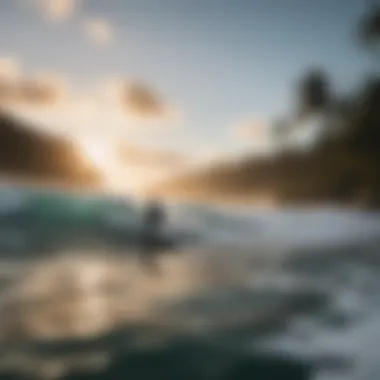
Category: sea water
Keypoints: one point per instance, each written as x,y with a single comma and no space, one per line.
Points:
289,294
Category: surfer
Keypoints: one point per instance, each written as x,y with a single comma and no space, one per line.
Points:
153,221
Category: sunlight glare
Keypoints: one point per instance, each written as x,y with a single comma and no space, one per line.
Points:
97,153
101,154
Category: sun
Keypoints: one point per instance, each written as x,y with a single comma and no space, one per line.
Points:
97,153
117,176
101,154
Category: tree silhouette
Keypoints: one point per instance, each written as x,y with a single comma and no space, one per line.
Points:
313,93
369,27
342,167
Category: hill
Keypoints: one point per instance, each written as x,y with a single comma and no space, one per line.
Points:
28,154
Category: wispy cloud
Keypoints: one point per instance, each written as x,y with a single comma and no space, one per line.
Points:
210,156
99,30
163,159
141,101
253,131
16,89
115,109
9,69
56,10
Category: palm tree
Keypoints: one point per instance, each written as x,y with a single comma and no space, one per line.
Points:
369,28
314,93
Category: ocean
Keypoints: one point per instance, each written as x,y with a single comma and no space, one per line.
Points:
240,294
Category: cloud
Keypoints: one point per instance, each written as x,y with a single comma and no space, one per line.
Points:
137,103
18,90
40,90
9,69
209,155
141,101
99,31
29,92
57,10
163,159
107,108
252,131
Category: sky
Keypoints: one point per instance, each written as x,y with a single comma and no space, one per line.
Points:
177,76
